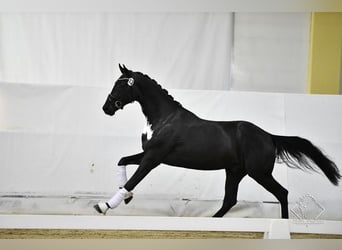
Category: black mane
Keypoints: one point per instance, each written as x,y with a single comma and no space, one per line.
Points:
159,87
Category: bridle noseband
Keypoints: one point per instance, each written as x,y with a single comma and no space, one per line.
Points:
118,104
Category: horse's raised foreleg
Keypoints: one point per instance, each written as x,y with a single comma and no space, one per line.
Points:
122,180
132,159
121,172
149,161
231,189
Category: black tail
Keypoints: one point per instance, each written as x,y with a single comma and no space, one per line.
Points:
300,153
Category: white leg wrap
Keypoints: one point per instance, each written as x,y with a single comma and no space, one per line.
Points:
122,176
118,198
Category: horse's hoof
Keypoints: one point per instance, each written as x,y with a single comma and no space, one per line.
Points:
127,200
101,208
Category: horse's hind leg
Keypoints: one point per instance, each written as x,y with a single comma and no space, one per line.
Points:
271,185
258,152
231,189
261,171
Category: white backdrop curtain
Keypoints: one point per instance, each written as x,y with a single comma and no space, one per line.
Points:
187,51
219,51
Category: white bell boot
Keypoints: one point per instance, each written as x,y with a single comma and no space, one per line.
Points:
122,194
102,207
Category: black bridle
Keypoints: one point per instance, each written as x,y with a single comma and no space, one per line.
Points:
118,104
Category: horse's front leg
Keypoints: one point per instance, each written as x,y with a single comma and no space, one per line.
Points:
149,161
132,159
122,174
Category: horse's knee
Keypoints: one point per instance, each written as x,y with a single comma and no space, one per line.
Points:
123,161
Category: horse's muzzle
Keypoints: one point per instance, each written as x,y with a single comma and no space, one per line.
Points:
109,110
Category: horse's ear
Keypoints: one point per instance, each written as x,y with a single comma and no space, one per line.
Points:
123,69
127,71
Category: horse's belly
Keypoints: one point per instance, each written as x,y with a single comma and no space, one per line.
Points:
204,146
196,158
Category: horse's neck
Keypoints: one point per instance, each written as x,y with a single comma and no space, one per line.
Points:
156,105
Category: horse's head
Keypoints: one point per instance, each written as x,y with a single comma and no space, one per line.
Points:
122,92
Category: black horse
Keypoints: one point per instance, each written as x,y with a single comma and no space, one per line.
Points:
180,138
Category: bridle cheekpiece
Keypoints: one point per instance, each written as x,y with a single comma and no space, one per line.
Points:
118,104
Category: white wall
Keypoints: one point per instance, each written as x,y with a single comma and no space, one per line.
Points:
57,141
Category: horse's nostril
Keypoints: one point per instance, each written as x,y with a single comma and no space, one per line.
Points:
118,104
